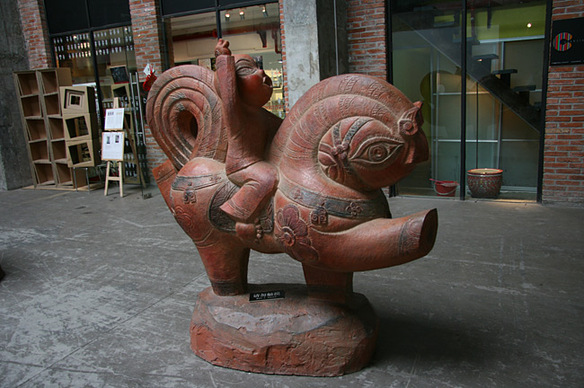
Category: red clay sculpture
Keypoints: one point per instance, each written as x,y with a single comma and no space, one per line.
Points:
239,178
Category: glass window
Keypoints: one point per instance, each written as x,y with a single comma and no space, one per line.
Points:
76,15
500,89
116,60
194,38
232,2
255,31
104,12
74,51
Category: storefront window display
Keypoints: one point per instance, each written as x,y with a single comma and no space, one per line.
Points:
252,30
481,101
110,60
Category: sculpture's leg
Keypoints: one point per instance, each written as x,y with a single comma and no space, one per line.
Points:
329,285
226,267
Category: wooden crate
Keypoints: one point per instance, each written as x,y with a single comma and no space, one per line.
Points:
83,153
80,126
35,129
27,83
44,173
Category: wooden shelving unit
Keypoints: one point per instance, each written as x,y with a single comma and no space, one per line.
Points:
38,92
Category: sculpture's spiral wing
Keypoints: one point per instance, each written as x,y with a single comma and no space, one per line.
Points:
185,115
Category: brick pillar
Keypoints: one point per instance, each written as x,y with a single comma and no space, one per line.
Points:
36,33
563,169
149,49
284,60
366,27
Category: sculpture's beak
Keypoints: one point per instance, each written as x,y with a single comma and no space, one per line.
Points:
420,151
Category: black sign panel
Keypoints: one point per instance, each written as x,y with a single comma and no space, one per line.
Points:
80,15
66,15
104,12
172,7
567,42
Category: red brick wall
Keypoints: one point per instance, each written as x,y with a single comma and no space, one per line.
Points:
148,46
366,35
36,35
284,68
563,175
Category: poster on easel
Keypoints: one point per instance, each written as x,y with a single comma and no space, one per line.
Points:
114,119
112,146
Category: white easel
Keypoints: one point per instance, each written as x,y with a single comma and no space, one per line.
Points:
112,140
112,146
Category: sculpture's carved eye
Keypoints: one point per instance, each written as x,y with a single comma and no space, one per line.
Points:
376,151
245,67
407,127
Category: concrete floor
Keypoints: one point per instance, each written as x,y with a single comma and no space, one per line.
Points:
99,292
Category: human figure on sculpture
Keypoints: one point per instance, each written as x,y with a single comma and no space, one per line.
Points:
244,89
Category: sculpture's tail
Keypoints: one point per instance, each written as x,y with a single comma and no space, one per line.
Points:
184,114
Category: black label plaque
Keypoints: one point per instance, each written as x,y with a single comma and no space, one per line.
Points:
266,295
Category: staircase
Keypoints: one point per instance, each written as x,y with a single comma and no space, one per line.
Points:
445,37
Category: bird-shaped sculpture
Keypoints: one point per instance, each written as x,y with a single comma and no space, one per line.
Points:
314,180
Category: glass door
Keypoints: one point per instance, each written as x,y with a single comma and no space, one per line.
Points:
504,64
427,68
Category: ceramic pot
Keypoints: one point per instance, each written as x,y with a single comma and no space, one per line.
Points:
445,188
484,182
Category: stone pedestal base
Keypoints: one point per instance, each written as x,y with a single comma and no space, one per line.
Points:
295,335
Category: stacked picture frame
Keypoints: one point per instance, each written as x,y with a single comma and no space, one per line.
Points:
81,126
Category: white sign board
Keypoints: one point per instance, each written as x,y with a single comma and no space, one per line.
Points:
112,146
114,119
